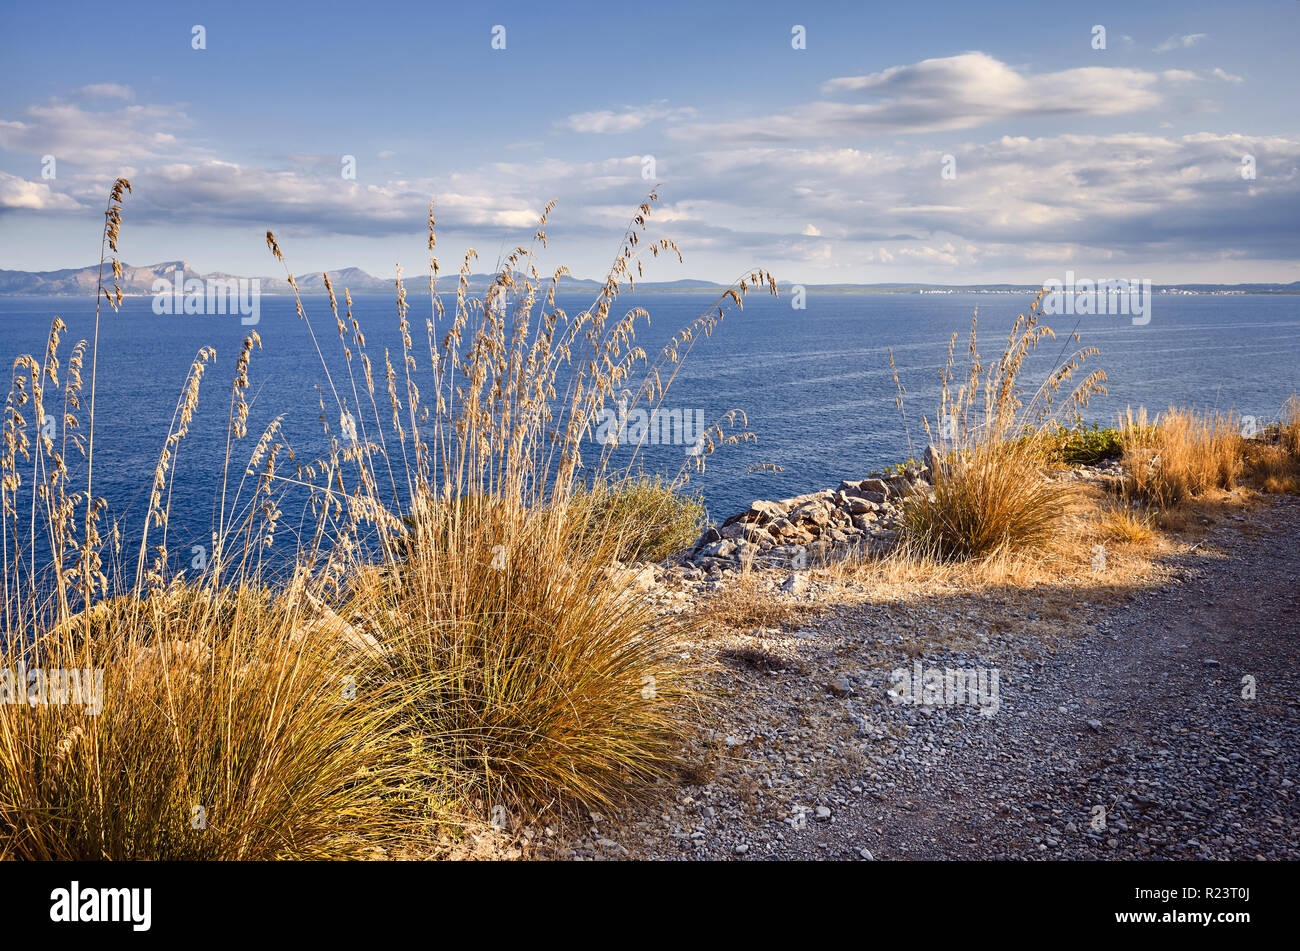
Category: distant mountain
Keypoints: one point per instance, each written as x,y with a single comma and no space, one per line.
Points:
77,282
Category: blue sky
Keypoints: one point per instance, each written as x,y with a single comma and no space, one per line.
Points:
822,164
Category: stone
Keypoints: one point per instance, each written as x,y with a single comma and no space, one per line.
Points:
879,486
763,511
796,583
841,686
816,512
735,530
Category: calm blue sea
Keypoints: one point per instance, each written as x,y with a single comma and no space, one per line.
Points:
815,383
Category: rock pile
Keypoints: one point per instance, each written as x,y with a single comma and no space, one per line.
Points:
856,517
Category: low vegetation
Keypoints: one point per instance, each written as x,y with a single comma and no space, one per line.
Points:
1181,456
452,648
1081,445
989,494
1272,459
649,516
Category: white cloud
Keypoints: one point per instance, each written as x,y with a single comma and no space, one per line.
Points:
1180,42
129,134
954,92
107,91
19,194
1024,202
608,122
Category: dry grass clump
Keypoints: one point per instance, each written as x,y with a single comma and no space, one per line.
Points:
1181,456
1127,525
1051,580
1272,461
990,491
1272,468
217,727
451,635
747,602
991,498
1289,427
531,675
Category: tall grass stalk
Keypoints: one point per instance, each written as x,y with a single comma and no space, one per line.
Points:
451,634
989,490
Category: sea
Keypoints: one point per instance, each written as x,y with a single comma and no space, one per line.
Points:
813,386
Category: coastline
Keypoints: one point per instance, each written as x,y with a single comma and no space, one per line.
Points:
1119,689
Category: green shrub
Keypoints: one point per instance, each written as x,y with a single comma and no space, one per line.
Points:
649,515
1083,445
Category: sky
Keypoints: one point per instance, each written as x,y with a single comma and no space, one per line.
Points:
828,143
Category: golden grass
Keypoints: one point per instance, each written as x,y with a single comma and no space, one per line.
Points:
491,664
229,728
1181,456
991,492
1127,525
1289,427
1272,462
751,601
650,516
531,675
1272,468
1067,564
989,498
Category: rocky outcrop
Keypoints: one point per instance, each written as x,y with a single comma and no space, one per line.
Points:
856,517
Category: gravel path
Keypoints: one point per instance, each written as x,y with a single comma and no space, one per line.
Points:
1138,712
1155,730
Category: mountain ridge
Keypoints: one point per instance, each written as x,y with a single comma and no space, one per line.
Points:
139,280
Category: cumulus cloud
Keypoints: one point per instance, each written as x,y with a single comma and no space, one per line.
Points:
1017,199
1029,202
222,191
953,92
19,194
126,135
